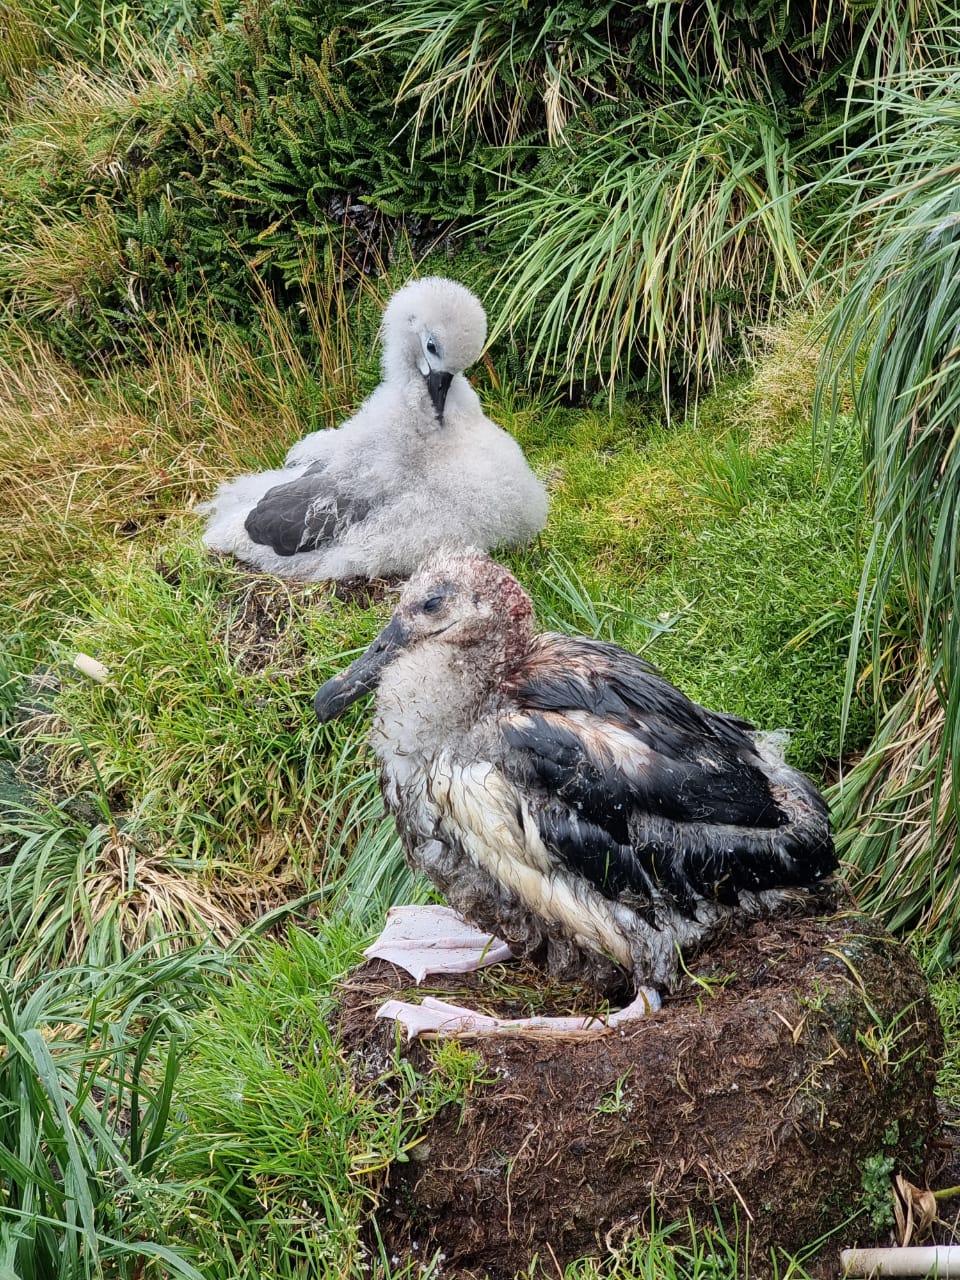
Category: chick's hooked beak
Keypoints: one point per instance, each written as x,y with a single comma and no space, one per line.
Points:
363,674
438,384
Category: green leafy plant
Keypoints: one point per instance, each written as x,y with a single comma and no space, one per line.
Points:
895,338
89,1060
299,125
506,72
877,1191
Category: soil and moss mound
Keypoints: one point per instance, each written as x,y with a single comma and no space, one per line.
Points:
792,1054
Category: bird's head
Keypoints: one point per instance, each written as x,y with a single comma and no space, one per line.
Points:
461,610
435,327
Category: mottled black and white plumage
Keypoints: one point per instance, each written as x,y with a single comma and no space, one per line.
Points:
418,466
564,796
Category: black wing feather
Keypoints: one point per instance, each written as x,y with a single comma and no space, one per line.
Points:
688,807
675,783
625,833
303,514
592,675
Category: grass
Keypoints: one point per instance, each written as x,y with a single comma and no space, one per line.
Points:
647,520
90,1056
90,469
666,236
894,336
283,1151
192,792
678,1251
79,892
945,991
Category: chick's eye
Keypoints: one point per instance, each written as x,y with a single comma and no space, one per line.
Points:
432,347
432,604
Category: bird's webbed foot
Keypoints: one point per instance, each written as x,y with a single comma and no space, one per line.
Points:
434,939
435,1018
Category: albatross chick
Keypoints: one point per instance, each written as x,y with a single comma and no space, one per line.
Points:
419,465
566,799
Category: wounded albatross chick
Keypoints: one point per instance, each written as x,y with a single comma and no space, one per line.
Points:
568,801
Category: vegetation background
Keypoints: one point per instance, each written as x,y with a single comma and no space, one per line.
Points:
718,245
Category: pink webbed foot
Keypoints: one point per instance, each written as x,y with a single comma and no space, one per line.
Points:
434,939
437,1018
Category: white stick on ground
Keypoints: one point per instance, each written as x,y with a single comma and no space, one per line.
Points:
92,668
942,1261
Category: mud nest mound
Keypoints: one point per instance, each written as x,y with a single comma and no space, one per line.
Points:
792,1053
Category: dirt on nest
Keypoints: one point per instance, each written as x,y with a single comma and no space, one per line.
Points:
792,1053
259,613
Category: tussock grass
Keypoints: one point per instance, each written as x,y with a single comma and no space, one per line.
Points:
80,894
473,70
67,252
283,1153
668,235
899,837
894,334
95,34
89,1060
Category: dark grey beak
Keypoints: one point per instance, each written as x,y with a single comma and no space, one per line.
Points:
363,674
438,384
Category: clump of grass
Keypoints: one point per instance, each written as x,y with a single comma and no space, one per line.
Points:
899,840
776,399
364,857
893,335
80,894
89,1061
707,176
205,723
102,32
683,1251
216,796
284,1151
945,993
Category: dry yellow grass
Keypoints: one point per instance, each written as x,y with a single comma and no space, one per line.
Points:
898,819
781,389
87,466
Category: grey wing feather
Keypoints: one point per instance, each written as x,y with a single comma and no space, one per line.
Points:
304,514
